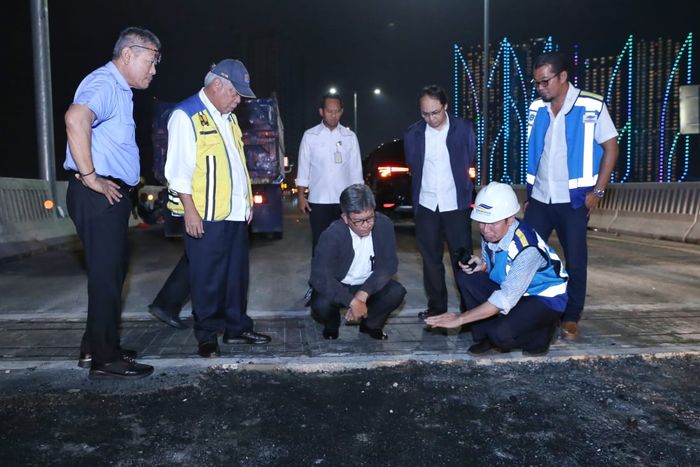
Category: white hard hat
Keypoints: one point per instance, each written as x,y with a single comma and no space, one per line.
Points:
494,202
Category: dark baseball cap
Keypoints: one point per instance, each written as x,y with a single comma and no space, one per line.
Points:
234,71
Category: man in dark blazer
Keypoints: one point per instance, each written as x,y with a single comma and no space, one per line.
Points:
439,151
353,265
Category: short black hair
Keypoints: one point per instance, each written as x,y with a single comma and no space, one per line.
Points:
435,92
331,96
559,61
356,198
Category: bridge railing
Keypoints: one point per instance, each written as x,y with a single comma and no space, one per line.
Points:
658,210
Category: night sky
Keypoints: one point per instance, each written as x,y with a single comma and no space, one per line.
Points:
398,46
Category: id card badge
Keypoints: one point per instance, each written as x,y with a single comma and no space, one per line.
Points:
338,155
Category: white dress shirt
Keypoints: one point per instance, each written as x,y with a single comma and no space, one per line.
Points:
182,158
361,267
437,189
552,180
329,162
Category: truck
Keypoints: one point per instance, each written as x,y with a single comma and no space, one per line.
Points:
263,142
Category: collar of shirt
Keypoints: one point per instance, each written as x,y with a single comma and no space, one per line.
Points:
505,241
118,76
571,96
444,128
322,128
210,107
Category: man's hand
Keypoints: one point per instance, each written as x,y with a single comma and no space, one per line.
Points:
193,224
250,216
303,203
101,185
445,320
591,201
475,264
358,307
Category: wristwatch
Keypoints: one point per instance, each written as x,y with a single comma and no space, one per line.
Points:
598,193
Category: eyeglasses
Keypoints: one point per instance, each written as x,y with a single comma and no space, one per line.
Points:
156,57
543,82
432,114
360,222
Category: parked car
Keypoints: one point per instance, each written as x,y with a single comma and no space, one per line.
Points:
389,177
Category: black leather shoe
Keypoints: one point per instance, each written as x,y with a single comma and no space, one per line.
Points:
208,349
480,347
330,334
247,337
85,359
373,333
428,313
120,369
166,317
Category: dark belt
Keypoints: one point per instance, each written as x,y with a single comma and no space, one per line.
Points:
123,186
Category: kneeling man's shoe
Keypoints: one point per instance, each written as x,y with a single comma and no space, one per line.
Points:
247,337
373,333
480,347
428,313
569,329
120,369
208,349
330,334
541,352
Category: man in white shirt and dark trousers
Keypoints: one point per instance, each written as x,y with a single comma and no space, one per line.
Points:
353,267
329,161
439,151
572,150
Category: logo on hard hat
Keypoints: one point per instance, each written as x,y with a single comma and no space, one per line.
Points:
484,209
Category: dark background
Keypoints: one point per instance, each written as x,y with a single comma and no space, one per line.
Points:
297,49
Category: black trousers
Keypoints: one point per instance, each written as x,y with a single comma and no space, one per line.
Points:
103,229
379,306
571,226
529,325
432,230
320,217
176,290
219,273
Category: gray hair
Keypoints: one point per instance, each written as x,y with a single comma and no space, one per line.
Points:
134,36
211,77
356,198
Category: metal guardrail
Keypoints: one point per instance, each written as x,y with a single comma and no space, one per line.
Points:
22,200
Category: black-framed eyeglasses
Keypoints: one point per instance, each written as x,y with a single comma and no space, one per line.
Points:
156,57
360,222
543,82
432,114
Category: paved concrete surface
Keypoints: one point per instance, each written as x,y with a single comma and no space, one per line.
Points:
643,298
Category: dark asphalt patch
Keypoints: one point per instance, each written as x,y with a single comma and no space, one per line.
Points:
628,411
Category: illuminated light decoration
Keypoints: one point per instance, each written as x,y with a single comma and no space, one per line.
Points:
666,176
669,160
627,51
459,59
150,197
48,204
387,171
506,54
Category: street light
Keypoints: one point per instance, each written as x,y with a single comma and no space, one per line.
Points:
375,91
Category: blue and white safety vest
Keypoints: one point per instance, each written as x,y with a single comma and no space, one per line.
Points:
583,153
549,282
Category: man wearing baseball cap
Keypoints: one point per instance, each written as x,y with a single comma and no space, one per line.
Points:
209,186
515,292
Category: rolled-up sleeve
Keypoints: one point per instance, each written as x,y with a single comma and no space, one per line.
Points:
517,281
182,153
304,162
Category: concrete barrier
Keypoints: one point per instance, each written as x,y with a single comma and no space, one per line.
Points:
668,211
25,224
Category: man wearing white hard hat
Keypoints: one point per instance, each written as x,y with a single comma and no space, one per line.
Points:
515,292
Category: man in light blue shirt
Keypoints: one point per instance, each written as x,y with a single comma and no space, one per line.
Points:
103,158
